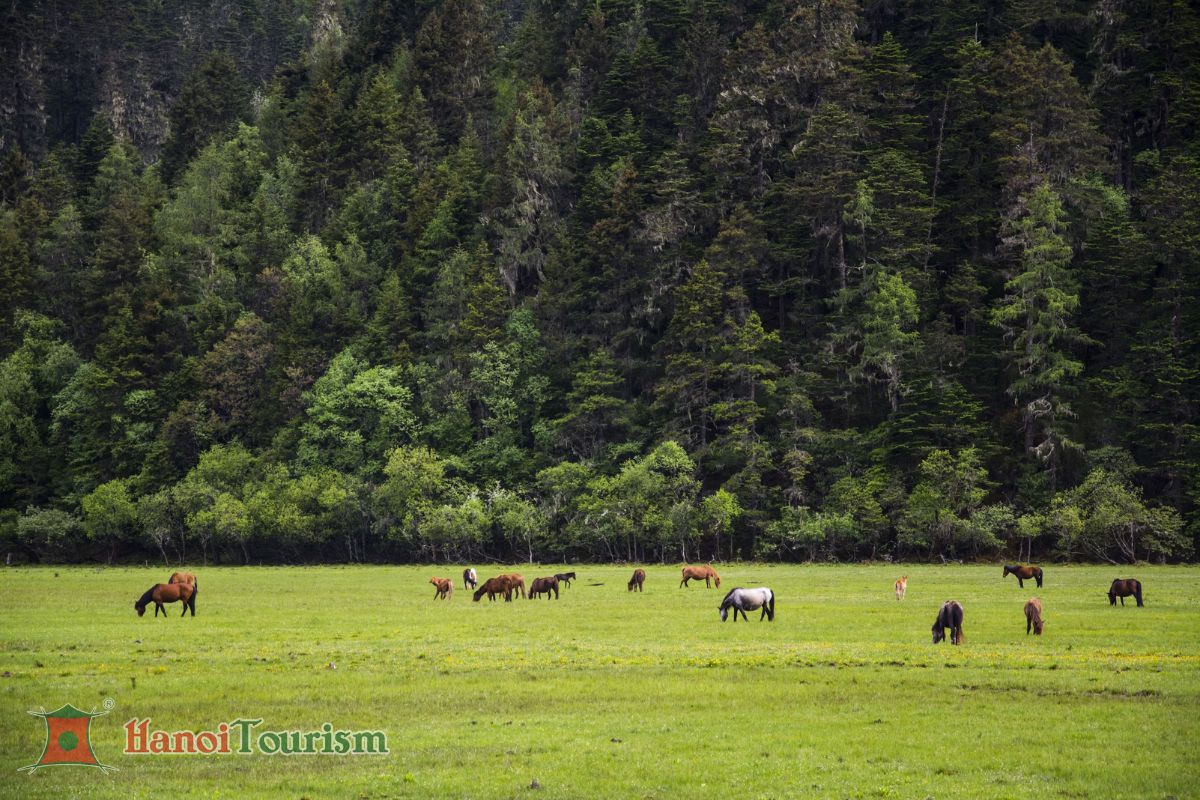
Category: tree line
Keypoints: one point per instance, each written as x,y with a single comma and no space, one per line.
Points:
659,280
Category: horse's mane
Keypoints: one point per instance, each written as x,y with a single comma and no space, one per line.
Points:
145,599
729,594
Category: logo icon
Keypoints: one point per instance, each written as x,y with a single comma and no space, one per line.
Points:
67,740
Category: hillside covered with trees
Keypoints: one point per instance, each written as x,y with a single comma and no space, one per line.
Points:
600,279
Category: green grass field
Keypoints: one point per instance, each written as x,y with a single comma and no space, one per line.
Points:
611,694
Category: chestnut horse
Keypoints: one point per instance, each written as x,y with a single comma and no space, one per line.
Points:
494,586
182,577
443,588
543,586
1033,616
901,587
1123,588
161,593
470,579
707,573
1023,574
639,577
950,616
516,582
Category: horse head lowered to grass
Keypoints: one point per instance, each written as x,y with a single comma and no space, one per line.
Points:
705,573
161,593
741,600
1123,588
949,616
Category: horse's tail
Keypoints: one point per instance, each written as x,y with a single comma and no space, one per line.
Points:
1137,591
192,600
771,607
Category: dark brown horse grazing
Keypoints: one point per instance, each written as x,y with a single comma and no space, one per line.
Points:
705,573
494,586
543,586
639,577
161,593
1033,616
565,577
516,582
443,588
950,616
1123,588
1023,574
182,577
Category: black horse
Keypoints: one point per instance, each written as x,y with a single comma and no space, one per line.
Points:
950,616
1023,574
1123,588
565,577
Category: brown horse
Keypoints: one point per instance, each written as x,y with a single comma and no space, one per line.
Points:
1023,574
543,586
182,577
494,586
161,593
1124,588
707,573
949,616
516,582
1033,616
443,588
639,577
901,587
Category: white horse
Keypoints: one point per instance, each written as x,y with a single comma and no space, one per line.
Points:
743,599
470,578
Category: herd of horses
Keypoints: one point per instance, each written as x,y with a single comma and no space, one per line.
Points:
950,615
182,587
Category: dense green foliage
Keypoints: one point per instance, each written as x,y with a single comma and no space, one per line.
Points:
807,279
610,694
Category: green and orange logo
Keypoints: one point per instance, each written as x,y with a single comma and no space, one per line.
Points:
67,739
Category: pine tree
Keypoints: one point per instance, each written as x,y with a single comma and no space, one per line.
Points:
1038,316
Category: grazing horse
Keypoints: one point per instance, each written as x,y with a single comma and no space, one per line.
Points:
1023,574
182,577
161,593
515,582
950,616
901,587
742,599
543,586
470,579
707,573
1122,588
443,588
494,586
1033,616
565,577
639,577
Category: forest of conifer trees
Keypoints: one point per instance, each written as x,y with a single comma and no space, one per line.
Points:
384,280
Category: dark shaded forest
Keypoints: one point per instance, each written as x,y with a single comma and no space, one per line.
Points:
291,280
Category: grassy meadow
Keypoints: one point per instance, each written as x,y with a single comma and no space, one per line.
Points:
610,694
